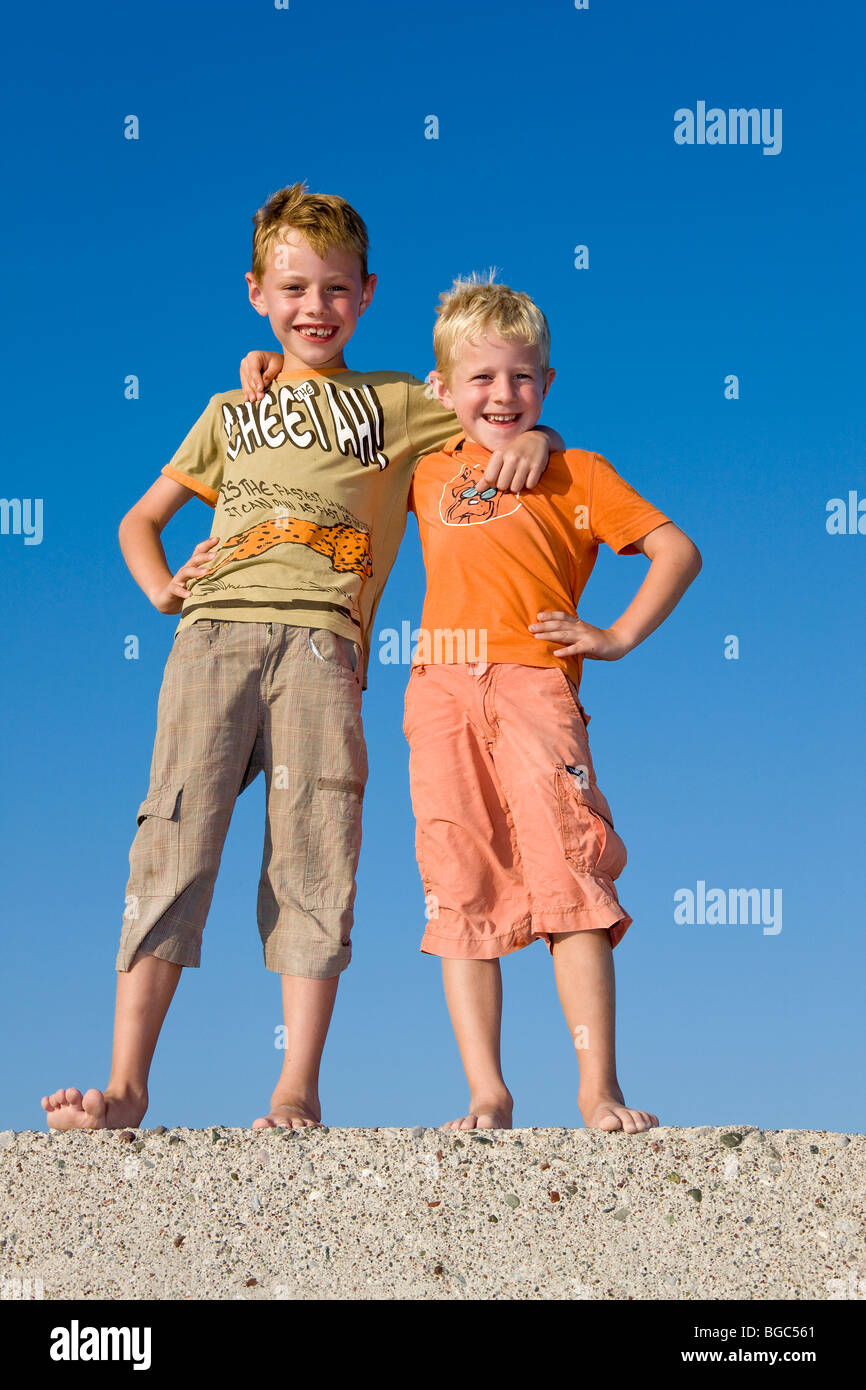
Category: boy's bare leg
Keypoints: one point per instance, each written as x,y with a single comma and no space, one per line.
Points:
307,1009
473,990
144,993
583,965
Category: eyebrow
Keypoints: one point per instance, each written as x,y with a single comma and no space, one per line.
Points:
519,367
287,275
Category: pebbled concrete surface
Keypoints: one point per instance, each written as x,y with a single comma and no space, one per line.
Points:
709,1213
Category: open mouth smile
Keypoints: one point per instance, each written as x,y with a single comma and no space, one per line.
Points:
315,334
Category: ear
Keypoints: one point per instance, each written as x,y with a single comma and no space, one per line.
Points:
549,375
367,294
440,390
256,297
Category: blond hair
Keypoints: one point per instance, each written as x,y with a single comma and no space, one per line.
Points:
322,219
474,306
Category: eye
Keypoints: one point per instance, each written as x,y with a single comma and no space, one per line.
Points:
488,493
469,492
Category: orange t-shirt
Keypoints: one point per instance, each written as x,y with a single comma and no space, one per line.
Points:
495,560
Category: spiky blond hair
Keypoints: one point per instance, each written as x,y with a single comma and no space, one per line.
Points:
324,220
475,305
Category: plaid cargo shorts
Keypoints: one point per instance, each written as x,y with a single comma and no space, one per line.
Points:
238,698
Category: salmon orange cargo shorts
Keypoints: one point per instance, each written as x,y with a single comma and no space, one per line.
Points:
515,840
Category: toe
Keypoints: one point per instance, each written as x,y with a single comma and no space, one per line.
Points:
93,1102
73,1097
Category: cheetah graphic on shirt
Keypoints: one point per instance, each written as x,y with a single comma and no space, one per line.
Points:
347,548
465,499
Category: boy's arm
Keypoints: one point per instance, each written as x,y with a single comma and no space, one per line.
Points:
258,370
520,465
674,562
139,535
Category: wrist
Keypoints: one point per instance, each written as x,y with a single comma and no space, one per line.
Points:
623,642
164,602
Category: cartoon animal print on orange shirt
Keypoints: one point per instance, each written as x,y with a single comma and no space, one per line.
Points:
347,548
466,499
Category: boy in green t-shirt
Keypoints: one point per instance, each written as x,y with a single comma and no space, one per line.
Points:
309,486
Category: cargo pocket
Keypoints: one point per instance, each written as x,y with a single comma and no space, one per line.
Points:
154,860
335,843
589,840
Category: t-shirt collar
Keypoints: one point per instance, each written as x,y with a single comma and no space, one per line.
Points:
467,450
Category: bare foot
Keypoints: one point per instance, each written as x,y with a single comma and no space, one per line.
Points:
94,1110
610,1112
485,1113
290,1114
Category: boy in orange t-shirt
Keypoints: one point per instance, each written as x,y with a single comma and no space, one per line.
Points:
515,839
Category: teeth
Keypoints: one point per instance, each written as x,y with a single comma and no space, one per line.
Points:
316,332
501,417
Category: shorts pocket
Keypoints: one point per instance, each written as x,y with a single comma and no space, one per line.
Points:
154,859
589,840
409,692
330,649
194,641
334,844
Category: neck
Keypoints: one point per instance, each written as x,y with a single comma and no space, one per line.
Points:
293,363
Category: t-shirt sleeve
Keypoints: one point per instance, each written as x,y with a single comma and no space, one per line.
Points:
428,424
618,515
200,460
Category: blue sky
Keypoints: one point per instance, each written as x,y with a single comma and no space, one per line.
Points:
555,130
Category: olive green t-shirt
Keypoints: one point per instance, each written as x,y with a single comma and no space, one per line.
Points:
309,488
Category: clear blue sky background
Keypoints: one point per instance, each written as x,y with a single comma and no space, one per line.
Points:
556,128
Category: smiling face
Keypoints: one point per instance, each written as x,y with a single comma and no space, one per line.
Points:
497,389
313,305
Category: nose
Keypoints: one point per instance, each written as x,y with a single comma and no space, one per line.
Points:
314,303
503,389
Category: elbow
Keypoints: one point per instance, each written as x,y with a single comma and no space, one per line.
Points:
125,523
